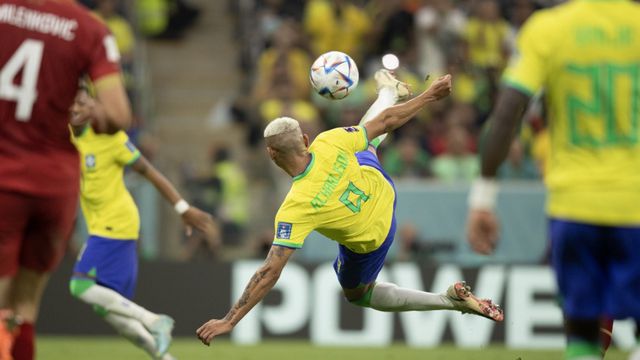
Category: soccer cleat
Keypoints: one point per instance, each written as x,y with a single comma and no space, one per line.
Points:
8,325
161,331
467,303
385,77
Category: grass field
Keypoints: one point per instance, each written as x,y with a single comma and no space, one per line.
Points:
112,348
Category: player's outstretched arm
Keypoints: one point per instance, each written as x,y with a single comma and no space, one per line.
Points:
191,216
482,225
397,115
262,281
109,112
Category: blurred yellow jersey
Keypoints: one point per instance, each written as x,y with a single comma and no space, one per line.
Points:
342,200
107,206
586,56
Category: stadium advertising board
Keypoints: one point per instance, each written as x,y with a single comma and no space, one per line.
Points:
306,304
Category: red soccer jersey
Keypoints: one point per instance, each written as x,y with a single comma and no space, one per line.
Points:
47,46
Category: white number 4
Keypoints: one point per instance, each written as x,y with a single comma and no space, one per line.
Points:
27,58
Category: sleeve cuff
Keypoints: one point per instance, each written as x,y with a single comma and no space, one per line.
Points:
289,244
519,86
134,158
366,137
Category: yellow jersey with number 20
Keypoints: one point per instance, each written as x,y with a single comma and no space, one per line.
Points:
586,56
342,200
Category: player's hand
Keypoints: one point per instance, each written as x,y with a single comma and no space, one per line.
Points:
439,89
482,231
196,218
213,328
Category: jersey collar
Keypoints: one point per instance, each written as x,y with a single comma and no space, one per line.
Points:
306,170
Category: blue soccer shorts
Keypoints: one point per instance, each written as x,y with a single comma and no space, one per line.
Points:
111,263
353,269
597,269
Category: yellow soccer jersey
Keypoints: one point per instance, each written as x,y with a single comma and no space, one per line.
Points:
106,204
342,200
586,55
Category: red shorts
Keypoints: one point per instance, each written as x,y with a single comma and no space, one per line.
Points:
34,230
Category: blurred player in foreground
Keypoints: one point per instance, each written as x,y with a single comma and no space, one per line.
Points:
586,55
106,271
46,47
340,189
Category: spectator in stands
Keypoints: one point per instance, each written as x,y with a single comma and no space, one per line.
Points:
407,159
284,61
487,37
409,243
233,209
518,165
337,25
125,39
439,26
457,163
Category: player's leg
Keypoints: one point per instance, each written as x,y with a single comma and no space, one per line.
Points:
623,299
390,90
357,275
134,331
14,217
105,276
578,258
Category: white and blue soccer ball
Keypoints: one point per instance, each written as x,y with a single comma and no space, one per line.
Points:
334,75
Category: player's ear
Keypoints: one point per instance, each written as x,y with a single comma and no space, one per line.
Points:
305,138
271,152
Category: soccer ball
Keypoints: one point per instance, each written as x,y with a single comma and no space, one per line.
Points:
334,75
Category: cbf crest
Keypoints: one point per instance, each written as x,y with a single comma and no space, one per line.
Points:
90,161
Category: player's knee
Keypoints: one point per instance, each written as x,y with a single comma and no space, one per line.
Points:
78,286
361,298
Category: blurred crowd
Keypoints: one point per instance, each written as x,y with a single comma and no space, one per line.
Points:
277,40
470,39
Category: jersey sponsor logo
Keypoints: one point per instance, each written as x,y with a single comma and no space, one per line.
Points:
351,129
339,166
130,146
90,161
284,230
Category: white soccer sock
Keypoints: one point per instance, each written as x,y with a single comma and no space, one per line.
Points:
387,97
134,331
390,297
117,304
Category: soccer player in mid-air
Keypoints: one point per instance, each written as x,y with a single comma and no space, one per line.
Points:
586,57
46,47
340,189
106,271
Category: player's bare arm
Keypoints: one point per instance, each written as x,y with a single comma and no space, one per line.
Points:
109,112
191,216
261,282
396,116
482,225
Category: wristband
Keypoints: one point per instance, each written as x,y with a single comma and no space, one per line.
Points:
483,194
181,206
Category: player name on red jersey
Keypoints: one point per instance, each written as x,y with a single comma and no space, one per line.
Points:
34,20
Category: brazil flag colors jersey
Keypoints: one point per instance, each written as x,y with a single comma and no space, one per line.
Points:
586,56
342,200
106,204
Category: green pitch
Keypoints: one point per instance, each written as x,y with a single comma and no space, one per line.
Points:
109,348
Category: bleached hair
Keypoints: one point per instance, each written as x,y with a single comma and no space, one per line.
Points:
281,125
